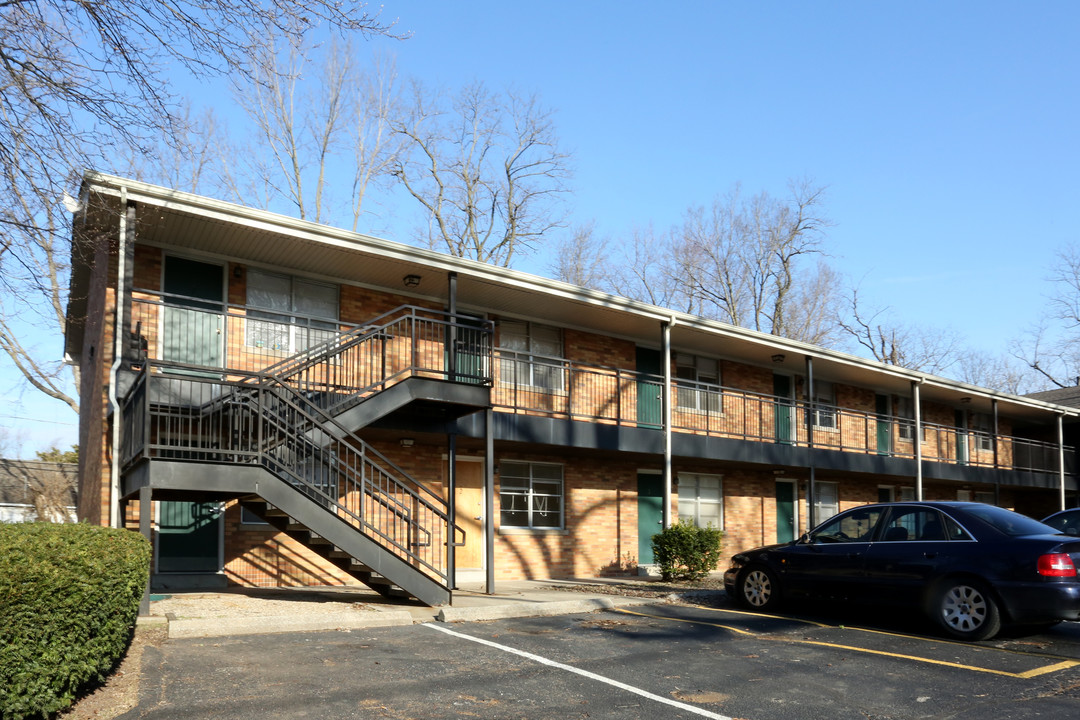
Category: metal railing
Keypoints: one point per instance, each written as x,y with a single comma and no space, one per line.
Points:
527,383
340,365
171,414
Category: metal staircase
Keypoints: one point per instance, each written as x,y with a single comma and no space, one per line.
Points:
297,422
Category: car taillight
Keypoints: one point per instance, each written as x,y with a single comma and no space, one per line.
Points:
1057,565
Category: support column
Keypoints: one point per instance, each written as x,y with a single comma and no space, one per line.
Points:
916,401
452,340
451,510
1061,461
811,492
146,514
665,342
997,476
489,501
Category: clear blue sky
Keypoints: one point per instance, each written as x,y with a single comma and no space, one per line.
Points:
945,131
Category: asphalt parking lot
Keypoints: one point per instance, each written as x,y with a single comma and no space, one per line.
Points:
649,661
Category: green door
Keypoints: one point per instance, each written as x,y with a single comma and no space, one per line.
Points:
650,511
884,427
785,511
188,536
650,392
782,391
192,334
194,312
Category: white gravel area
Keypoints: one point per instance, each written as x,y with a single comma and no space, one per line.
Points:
208,605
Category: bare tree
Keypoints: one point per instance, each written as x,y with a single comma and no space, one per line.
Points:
82,82
486,168
1051,349
741,260
999,372
897,344
645,273
582,258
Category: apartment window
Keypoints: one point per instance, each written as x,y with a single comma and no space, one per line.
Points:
249,518
905,413
288,313
531,495
700,500
533,354
824,404
698,372
985,497
826,500
982,425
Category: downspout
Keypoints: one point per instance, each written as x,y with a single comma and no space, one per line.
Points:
666,342
916,401
118,358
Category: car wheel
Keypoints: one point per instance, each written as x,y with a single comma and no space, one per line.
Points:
965,609
758,589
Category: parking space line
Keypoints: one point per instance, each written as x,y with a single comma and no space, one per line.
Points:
1035,672
584,673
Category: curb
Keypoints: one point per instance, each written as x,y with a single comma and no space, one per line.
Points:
264,625
545,609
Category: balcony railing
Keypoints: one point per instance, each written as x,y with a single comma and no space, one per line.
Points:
333,363
535,385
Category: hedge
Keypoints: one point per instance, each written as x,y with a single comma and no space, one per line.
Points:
685,551
69,598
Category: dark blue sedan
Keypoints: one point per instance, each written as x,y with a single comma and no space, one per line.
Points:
969,566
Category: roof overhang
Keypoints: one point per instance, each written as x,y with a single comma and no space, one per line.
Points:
205,227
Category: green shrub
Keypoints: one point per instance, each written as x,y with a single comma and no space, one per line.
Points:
686,552
69,597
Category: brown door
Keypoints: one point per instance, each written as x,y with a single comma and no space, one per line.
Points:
469,499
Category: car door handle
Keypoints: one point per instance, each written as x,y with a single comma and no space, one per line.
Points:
930,555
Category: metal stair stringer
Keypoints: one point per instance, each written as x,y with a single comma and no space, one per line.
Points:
351,540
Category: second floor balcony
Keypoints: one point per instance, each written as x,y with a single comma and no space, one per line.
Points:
316,356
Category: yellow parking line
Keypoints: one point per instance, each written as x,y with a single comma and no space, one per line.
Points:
974,668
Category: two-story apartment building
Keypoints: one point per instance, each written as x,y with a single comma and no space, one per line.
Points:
277,402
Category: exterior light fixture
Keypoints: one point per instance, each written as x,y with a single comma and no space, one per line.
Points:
778,358
407,442
411,280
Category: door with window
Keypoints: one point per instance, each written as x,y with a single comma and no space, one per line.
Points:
962,454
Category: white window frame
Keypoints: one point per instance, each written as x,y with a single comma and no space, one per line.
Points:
295,323
905,418
824,511
527,367
526,487
692,482
982,427
699,371
825,411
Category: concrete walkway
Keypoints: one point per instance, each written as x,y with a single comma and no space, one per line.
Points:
245,611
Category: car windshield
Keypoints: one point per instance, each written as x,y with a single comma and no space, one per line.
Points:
1007,521
1066,522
